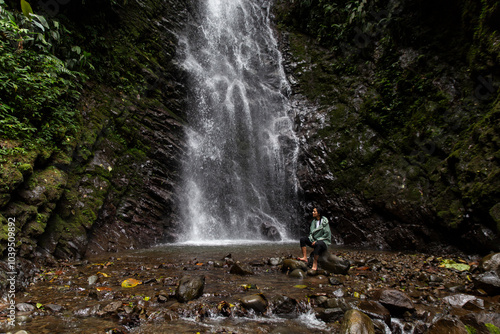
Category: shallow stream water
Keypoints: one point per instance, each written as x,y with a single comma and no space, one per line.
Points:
104,306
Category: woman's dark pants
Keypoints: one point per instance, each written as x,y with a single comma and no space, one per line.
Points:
318,248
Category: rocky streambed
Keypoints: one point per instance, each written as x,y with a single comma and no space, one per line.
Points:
261,289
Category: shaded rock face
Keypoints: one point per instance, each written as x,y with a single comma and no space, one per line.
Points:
113,188
385,186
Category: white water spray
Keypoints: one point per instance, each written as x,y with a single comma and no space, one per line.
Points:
239,171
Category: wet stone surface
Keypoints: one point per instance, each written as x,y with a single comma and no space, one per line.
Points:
137,292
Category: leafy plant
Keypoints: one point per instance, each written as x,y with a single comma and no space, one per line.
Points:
38,90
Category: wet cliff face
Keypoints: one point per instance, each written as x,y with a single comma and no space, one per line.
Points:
113,186
397,111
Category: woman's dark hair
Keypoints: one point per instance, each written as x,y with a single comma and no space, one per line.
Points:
320,211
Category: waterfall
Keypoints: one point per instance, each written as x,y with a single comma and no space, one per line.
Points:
238,172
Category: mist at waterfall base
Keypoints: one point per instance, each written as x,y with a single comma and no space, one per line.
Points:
238,173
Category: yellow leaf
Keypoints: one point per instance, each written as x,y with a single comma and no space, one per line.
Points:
103,274
300,286
130,283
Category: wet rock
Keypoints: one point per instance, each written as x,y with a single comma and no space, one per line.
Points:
190,288
162,296
298,273
283,304
375,310
257,302
87,311
447,325
112,307
291,265
356,322
334,281
25,307
218,264
460,300
490,262
329,314
395,301
92,279
270,232
337,303
489,282
475,326
240,269
488,318
274,261
333,264
54,307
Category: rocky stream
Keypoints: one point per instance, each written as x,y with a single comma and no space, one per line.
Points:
261,288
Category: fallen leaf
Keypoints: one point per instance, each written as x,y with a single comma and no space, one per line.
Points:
300,286
103,288
130,283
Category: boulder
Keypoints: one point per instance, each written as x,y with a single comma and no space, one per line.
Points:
256,302
298,273
333,264
447,325
488,281
375,310
491,262
270,232
240,269
395,301
291,265
190,288
356,322
464,300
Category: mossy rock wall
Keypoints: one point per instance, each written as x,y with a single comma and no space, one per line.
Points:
397,113
112,186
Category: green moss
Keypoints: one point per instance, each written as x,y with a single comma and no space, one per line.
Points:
493,329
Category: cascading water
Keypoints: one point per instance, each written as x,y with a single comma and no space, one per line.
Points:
239,170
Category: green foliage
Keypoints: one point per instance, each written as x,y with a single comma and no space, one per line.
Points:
26,7
38,90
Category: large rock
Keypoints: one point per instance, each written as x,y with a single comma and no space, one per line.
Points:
270,232
256,302
447,325
375,310
190,288
491,262
333,264
356,322
395,301
290,265
240,269
489,282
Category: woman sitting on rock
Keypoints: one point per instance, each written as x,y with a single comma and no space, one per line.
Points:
319,238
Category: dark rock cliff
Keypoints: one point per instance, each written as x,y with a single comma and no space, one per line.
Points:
113,187
397,109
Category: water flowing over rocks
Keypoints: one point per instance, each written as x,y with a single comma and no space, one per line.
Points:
380,293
